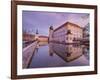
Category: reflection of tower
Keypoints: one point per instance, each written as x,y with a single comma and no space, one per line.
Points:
51,33
37,35
51,52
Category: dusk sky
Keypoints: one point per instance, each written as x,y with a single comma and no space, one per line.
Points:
33,20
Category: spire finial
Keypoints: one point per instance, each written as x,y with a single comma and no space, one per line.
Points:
37,31
51,27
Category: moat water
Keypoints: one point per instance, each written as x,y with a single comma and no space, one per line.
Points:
59,55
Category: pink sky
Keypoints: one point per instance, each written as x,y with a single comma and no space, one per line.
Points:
33,20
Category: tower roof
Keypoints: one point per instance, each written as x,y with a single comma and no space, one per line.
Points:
51,28
37,31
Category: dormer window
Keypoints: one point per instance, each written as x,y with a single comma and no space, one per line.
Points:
69,32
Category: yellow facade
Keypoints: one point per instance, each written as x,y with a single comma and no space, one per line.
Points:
76,33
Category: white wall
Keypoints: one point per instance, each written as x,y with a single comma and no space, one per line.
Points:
5,37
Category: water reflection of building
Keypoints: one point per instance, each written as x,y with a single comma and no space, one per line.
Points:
67,33
66,52
74,51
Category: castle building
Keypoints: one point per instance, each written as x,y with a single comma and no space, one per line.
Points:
86,35
66,33
43,38
28,37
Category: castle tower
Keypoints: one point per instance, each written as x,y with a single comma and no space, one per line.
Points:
36,35
50,33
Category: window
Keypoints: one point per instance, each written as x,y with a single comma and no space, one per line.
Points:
70,38
66,38
68,32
